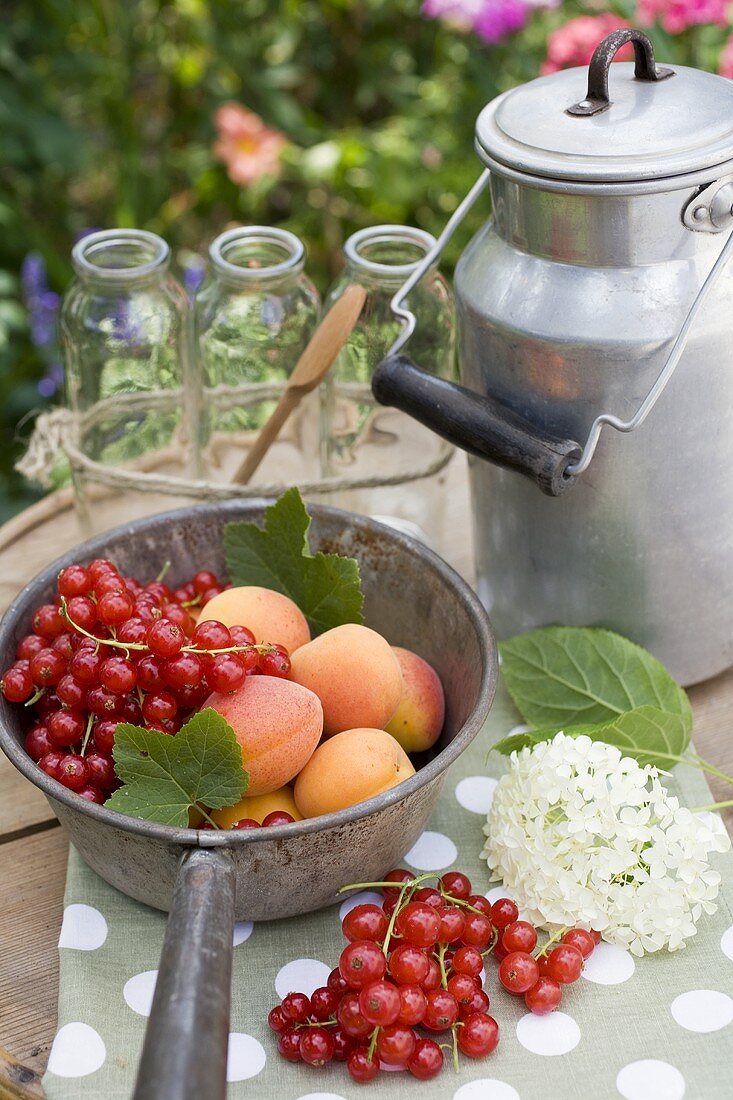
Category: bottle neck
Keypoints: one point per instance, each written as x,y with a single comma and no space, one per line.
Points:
386,255
119,259
254,256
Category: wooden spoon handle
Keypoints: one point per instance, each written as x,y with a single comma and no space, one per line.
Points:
314,363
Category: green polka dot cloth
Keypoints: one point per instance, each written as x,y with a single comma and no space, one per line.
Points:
656,1028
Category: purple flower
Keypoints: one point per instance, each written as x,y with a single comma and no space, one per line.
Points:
41,302
43,306
500,18
491,20
52,381
193,271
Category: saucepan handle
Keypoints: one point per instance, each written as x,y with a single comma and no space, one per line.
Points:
185,1051
476,424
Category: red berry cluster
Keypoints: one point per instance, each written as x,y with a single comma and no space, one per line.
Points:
276,817
415,961
110,649
537,974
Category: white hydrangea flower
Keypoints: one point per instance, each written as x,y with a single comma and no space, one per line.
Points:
583,836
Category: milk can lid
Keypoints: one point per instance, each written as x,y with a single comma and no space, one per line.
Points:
637,122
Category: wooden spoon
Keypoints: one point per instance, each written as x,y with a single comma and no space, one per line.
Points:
313,365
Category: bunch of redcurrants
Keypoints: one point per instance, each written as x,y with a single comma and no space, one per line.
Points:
418,961
110,649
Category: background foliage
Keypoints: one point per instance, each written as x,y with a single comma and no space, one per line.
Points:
107,118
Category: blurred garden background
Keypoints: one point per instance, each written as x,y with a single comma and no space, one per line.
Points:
186,116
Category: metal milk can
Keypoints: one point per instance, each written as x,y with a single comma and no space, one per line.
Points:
598,297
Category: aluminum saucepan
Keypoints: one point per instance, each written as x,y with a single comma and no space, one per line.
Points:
207,879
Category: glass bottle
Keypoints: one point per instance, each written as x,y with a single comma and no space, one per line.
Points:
361,440
254,314
126,335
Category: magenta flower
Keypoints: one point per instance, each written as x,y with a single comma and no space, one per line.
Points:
573,43
501,18
676,16
491,20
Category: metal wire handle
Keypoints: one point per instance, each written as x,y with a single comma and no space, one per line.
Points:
401,310
664,376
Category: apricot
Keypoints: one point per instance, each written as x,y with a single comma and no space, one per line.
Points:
277,724
270,616
258,807
418,720
354,673
348,768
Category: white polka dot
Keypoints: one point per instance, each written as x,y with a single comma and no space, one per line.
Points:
301,976
432,852
476,793
486,1088
322,1096
364,897
703,1010
245,1057
609,965
242,932
138,992
726,942
557,1033
650,1079
77,1051
83,928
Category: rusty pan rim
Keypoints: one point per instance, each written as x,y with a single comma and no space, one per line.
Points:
193,838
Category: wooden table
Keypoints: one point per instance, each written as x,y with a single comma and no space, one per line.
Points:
33,849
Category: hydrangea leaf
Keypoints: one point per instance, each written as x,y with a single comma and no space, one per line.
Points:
326,587
164,776
567,676
650,735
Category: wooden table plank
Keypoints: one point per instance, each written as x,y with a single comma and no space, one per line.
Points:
33,873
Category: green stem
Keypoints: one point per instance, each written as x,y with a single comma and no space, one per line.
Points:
712,806
262,647
459,901
164,570
204,814
441,964
392,885
708,767
87,733
35,697
552,939
454,1032
372,1044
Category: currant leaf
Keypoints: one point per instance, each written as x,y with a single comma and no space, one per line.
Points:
326,587
164,776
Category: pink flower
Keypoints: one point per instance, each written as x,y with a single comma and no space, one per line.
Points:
574,43
676,16
725,67
249,149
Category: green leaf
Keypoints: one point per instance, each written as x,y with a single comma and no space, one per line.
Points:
326,587
565,676
650,735
164,776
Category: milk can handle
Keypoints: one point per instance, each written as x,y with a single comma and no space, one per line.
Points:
597,97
